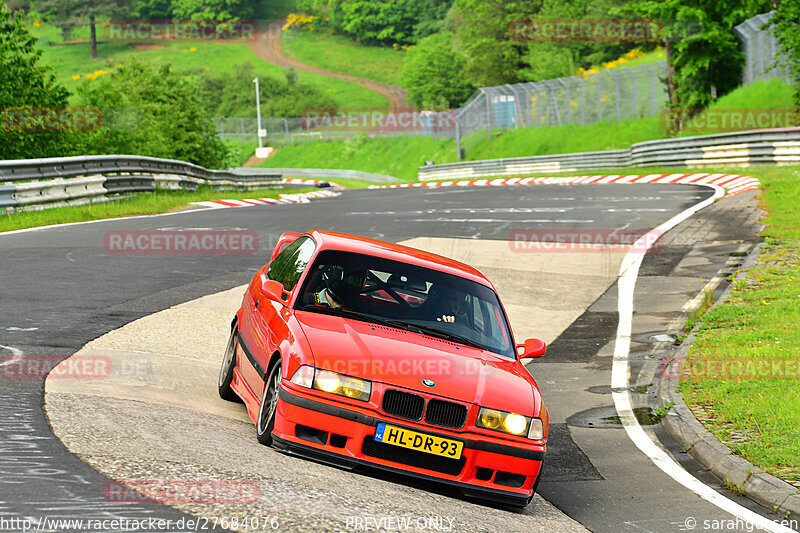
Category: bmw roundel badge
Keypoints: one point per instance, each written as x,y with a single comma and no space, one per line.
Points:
428,383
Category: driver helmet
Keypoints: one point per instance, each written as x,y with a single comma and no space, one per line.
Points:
343,284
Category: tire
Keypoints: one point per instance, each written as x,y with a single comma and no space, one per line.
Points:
269,405
226,370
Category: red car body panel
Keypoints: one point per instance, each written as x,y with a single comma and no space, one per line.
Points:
270,330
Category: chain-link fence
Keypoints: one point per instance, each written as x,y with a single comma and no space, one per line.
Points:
761,49
339,125
609,95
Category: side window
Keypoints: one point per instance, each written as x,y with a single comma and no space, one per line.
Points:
288,266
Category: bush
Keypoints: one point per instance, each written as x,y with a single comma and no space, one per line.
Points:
150,112
433,73
24,86
233,95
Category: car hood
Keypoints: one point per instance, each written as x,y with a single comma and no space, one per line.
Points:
404,358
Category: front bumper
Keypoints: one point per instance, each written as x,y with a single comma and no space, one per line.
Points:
342,436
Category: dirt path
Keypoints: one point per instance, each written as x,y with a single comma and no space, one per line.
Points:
268,48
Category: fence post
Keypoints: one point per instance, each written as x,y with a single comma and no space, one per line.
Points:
488,114
567,99
288,139
583,104
458,141
633,93
221,130
616,93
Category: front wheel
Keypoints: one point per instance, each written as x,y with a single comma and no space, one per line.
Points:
269,405
226,370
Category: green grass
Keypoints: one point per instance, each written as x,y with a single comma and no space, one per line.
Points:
339,54
71,60
562,139
761,95
757,415
160,201
653,57
395,156
241,150
401,156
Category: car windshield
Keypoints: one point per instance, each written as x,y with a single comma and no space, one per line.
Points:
397,294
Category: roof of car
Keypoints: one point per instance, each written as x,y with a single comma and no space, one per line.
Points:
328,240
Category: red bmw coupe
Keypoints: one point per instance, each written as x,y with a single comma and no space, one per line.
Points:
359,352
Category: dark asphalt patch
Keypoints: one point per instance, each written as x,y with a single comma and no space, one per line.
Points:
564,460
662,262
581,341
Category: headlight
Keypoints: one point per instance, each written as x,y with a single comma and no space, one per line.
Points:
333,383
511,423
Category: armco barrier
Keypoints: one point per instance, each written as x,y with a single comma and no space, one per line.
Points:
742,149
62,180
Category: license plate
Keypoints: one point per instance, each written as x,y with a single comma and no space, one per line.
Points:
418,441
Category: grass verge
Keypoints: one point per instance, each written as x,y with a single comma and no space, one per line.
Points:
745,360
160,201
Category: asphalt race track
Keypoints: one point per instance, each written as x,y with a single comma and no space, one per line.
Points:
61,289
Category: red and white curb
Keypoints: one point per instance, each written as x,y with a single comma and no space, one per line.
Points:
302,181
732,183
301,198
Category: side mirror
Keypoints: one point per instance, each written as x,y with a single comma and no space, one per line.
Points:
284,240
533,348
273,290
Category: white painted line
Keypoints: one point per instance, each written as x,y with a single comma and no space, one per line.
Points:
39,228
628,273
16,352
16,355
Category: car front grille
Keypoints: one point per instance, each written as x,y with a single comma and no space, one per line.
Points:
446,414
403,404
426,461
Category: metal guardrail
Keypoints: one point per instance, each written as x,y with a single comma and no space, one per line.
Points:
777,147
29,182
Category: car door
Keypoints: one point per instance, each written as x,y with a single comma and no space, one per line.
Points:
267,326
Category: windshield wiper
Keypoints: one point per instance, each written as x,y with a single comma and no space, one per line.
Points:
449,336
370,318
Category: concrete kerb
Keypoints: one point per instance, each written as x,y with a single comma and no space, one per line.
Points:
681,424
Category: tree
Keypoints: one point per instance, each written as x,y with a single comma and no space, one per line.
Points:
24,87
150,112
70,13
482,33
212,10
233,95
555,59
152,9
702,53
786,25
433,73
